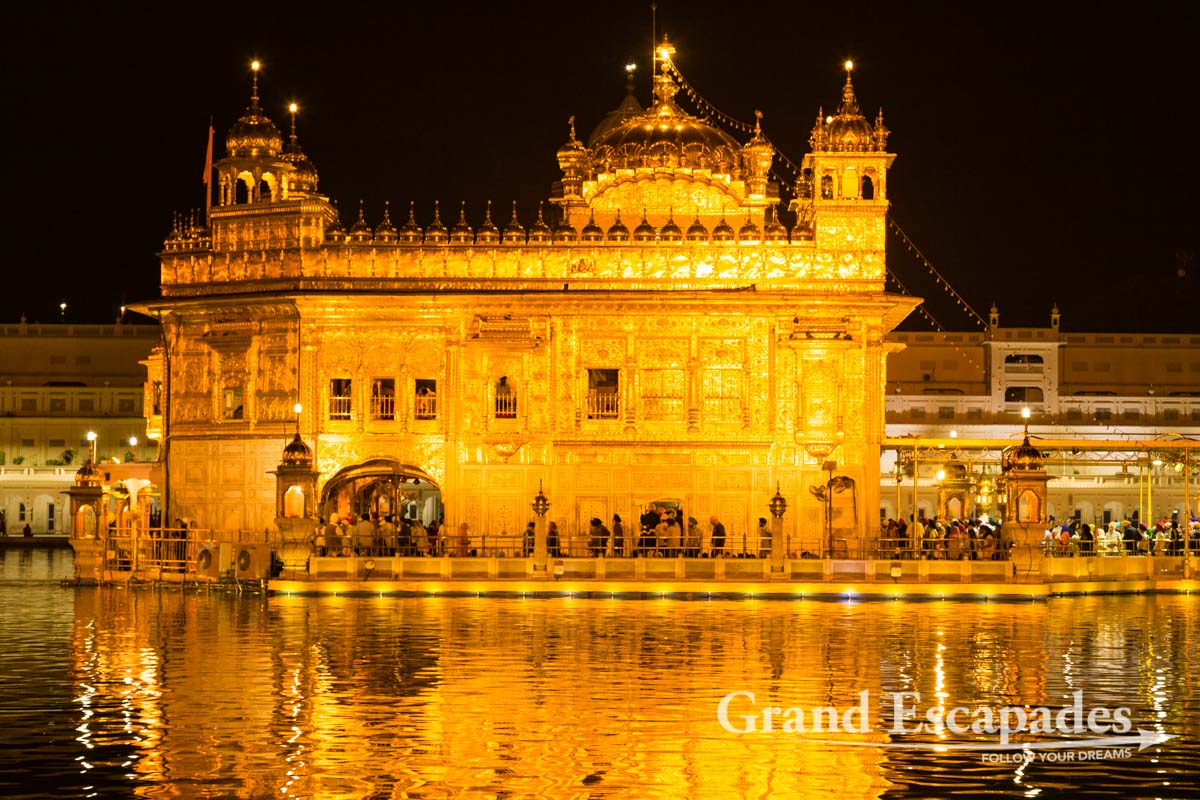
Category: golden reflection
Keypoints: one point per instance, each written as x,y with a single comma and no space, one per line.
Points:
358,696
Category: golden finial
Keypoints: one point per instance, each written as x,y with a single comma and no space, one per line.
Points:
487,214
757,122
437,215
292,109
255,66
571,125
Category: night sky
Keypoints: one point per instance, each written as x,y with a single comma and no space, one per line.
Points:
1044,154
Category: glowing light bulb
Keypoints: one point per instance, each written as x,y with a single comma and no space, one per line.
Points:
630,67
849,65
293,108
254,65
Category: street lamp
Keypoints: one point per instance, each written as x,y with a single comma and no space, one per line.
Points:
778,505
91,437
540,504
133,440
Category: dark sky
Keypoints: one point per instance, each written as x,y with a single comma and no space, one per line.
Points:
1044,151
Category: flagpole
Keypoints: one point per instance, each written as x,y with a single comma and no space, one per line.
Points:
208,167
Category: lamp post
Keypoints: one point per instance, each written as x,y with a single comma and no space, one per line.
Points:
133,440
91,437
540,506
777,506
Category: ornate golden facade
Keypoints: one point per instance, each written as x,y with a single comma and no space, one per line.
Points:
665,337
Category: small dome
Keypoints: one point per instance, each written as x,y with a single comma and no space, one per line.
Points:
775,231
335,233
254,135
670,232
723,232
617,232
303,179
360,231
572,155
436,232
539,231
461,233
644,232
803,232
297,453
592,232
89,475
749,232
385,232
411,233
696,232
627,110
514,233
565,233
1025,456
488,233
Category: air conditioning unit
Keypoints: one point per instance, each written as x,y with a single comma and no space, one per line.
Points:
214,559
252,562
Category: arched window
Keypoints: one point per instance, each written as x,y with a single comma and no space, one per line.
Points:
264,191
241,192
21,512
826,187
868,188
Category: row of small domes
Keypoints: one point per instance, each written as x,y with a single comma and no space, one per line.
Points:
562,233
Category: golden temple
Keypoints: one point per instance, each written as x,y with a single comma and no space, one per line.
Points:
656,333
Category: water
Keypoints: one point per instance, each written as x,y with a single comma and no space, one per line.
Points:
161,692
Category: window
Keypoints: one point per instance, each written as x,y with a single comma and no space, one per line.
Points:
945,412
50,517
125,405
86,405
339,398
506,399
57,443
663,393
826,187
21,512
426,399
722,392
233,407
28,404
27,443
383,398
1023,358
868,188
1023,394
603,395
155,398
58,405
1103,414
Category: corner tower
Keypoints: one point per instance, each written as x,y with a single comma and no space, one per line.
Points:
843,194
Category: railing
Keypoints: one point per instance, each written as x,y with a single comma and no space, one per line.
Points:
426,406
339,406
603,405
383,407
506,406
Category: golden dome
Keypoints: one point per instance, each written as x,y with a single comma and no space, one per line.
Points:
385,232
411,233
461,233
436,232
644,232
254,135
297,453
1025,456
617,232
670,232
514,233
627,110
749,232
304,175
89,475
775,231
848,130
723,232
565,233
572,155
335,233
592,232
360,231
665,136
539,231
488,233
696,232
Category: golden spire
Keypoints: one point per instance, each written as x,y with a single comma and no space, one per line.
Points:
849,101
436,232
411,233
514,233
617,232
386,231
292,109
664,84
488,233
462,233
539,231
255,66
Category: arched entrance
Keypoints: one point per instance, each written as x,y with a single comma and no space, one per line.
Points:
385,487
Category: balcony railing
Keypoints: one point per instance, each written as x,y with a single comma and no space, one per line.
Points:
506,406
603,405
383,407
339,407
426,406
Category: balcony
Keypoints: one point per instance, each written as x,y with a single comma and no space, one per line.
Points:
603,404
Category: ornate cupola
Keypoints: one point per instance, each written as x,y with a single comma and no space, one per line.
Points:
411,233
844,181
461,233
572,160
303,179
436,232
488,233
514,231
360,231
385,231
254,169
757,156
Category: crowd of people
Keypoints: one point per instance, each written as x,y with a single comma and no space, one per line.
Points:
1168,537
373,535
970,539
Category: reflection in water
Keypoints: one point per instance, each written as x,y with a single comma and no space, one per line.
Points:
196,694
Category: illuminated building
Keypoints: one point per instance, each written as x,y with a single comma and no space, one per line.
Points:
659,335
59,382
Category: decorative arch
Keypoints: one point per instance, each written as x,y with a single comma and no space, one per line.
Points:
383,486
